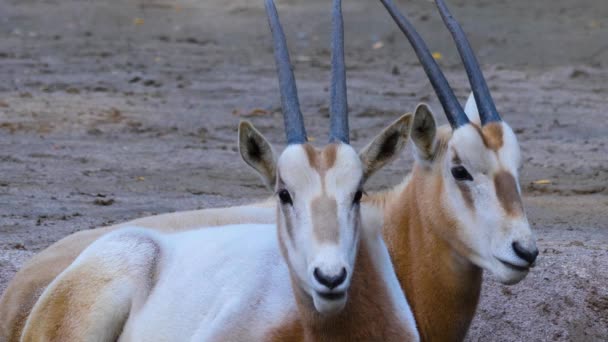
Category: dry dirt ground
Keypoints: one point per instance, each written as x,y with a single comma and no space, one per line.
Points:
112,110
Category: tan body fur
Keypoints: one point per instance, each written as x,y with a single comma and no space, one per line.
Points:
442,287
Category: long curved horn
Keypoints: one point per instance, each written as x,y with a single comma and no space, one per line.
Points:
338,100
294,122
453,111
485,104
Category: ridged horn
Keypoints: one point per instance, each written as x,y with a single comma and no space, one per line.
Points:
338,99
452,108
294,122
483,98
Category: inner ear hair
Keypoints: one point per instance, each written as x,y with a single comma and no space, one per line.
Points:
257,152
424,130
386,146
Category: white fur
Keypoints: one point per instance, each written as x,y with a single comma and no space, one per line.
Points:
489,232
215,283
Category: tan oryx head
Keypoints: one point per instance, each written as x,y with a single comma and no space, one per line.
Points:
318,190
472,168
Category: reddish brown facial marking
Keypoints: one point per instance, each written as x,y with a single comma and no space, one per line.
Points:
466,195
312,154
456,158
325,219
329,156
506,191
492,135
464,189
288,222
322,160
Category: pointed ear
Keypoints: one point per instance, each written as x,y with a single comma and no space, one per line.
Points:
257,152
470,109
424,129
386,146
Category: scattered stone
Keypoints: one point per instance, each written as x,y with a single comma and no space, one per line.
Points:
104,202
19,246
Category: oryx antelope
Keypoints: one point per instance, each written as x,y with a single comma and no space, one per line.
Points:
449,219
229,283
460,211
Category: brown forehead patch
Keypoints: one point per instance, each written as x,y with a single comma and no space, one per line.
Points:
506,191
329,156
312,155
491,134
321,160
324,212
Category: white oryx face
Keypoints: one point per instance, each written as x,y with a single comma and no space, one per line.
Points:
481,173
477,171
318,219
318,193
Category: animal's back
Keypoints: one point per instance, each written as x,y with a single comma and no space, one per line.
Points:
225,283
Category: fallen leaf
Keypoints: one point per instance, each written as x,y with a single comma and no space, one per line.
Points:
542,182
138,21
594,24
437,55
257,112
140,178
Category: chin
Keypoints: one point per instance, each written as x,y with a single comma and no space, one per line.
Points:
331,306
508,276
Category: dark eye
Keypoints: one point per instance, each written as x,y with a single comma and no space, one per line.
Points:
285,197
461,174
357,197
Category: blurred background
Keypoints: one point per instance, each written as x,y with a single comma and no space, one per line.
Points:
111,110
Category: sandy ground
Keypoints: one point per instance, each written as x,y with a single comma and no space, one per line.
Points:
112,110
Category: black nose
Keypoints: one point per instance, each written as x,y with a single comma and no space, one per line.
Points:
330,281
528,255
